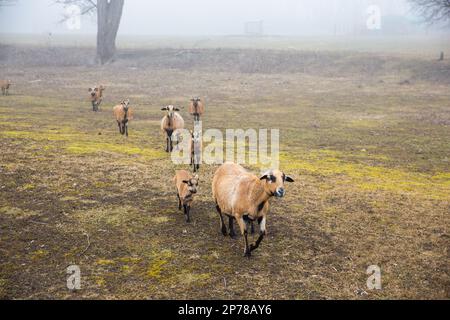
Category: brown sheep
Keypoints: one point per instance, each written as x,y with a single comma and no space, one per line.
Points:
196,149
196,108
96,96
170,123
5,84
123,114
186,188
243,196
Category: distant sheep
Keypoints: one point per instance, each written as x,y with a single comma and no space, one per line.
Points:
243,196
196,108
96,96
186,188
5,84
123,114
170,123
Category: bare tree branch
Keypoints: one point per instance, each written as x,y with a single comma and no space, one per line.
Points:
433,11
87,7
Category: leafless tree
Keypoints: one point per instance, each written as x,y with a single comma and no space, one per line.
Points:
433,11
109,14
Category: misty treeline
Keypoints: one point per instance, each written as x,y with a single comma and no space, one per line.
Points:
109,14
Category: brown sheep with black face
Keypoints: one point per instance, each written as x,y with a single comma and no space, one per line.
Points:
96,96
123,114
170,123
186,189
196,108
5,84
245,197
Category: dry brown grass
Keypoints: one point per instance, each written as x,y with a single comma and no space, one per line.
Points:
370,157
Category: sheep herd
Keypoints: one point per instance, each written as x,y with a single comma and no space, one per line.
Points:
238,194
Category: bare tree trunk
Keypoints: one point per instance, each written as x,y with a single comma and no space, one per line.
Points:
109,13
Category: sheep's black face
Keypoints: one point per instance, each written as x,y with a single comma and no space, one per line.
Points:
192,185
275,180
195,101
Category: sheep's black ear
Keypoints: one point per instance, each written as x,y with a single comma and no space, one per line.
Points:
265,177
185,181
288,179
164,109
176,109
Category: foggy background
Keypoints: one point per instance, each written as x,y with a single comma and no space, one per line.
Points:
205,17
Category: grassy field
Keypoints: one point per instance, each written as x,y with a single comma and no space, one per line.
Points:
365,135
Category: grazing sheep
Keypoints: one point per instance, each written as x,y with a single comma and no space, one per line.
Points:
186,188
243,196
196,108
196,149
123,114
5,84
170,123
96,96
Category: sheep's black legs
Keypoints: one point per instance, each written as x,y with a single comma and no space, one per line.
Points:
231,227
179,202
169,147
222,223
262,233
247,251
188,214
257,243
187,209
126,129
